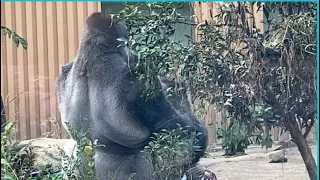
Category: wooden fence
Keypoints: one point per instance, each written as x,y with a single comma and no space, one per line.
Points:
52,30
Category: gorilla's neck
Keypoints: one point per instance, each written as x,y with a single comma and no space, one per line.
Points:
94,41
94,44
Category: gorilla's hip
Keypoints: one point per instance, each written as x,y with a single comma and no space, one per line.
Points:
122,167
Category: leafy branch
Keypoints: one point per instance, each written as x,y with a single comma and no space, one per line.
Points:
15,37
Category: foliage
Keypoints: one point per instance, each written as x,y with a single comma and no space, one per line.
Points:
15,37
16,160
235,137
84,151
202,66
276,69
275,72
170,152
238,68
151,31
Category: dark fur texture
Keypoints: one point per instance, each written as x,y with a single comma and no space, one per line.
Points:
98,90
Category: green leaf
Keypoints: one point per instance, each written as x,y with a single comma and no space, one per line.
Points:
8,177
9,126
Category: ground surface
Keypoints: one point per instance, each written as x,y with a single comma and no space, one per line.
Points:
253,166
256,166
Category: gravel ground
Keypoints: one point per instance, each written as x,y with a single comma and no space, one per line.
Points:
256,166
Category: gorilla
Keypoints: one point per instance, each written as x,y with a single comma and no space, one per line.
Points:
97,90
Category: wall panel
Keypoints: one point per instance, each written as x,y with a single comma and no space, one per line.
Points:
52,30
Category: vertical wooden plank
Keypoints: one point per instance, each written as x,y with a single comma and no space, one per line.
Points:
15,73
198,17
71,32
90,7
96,7
63,53
272,134
4,59
81,14
215,121
45,69
204,11
26,73
76,24
49,64
41,46
35,47
276,134
30,75
314,134
209,13
21,71
10,46
258,17
55,66
65,38
85,12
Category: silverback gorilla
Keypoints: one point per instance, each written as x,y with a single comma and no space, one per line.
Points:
97,90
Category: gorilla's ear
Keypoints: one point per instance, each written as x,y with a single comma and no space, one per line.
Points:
99,21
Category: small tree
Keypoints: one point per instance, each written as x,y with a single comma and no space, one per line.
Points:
243,69
262,79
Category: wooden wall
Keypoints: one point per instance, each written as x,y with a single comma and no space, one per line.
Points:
52,30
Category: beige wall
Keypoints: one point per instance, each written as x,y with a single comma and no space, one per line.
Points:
52,30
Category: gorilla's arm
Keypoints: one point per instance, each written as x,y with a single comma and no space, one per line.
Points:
110,117
110,95
164,113
122,98
115,119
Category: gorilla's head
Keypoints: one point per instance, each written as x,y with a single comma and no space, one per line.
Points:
106,24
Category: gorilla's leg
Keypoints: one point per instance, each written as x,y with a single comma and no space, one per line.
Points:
182,103
121,167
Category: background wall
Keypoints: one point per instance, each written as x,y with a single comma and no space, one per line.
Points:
52,30
181,29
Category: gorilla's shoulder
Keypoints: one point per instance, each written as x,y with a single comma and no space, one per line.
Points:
67,67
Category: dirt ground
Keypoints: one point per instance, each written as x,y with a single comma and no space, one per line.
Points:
255,165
